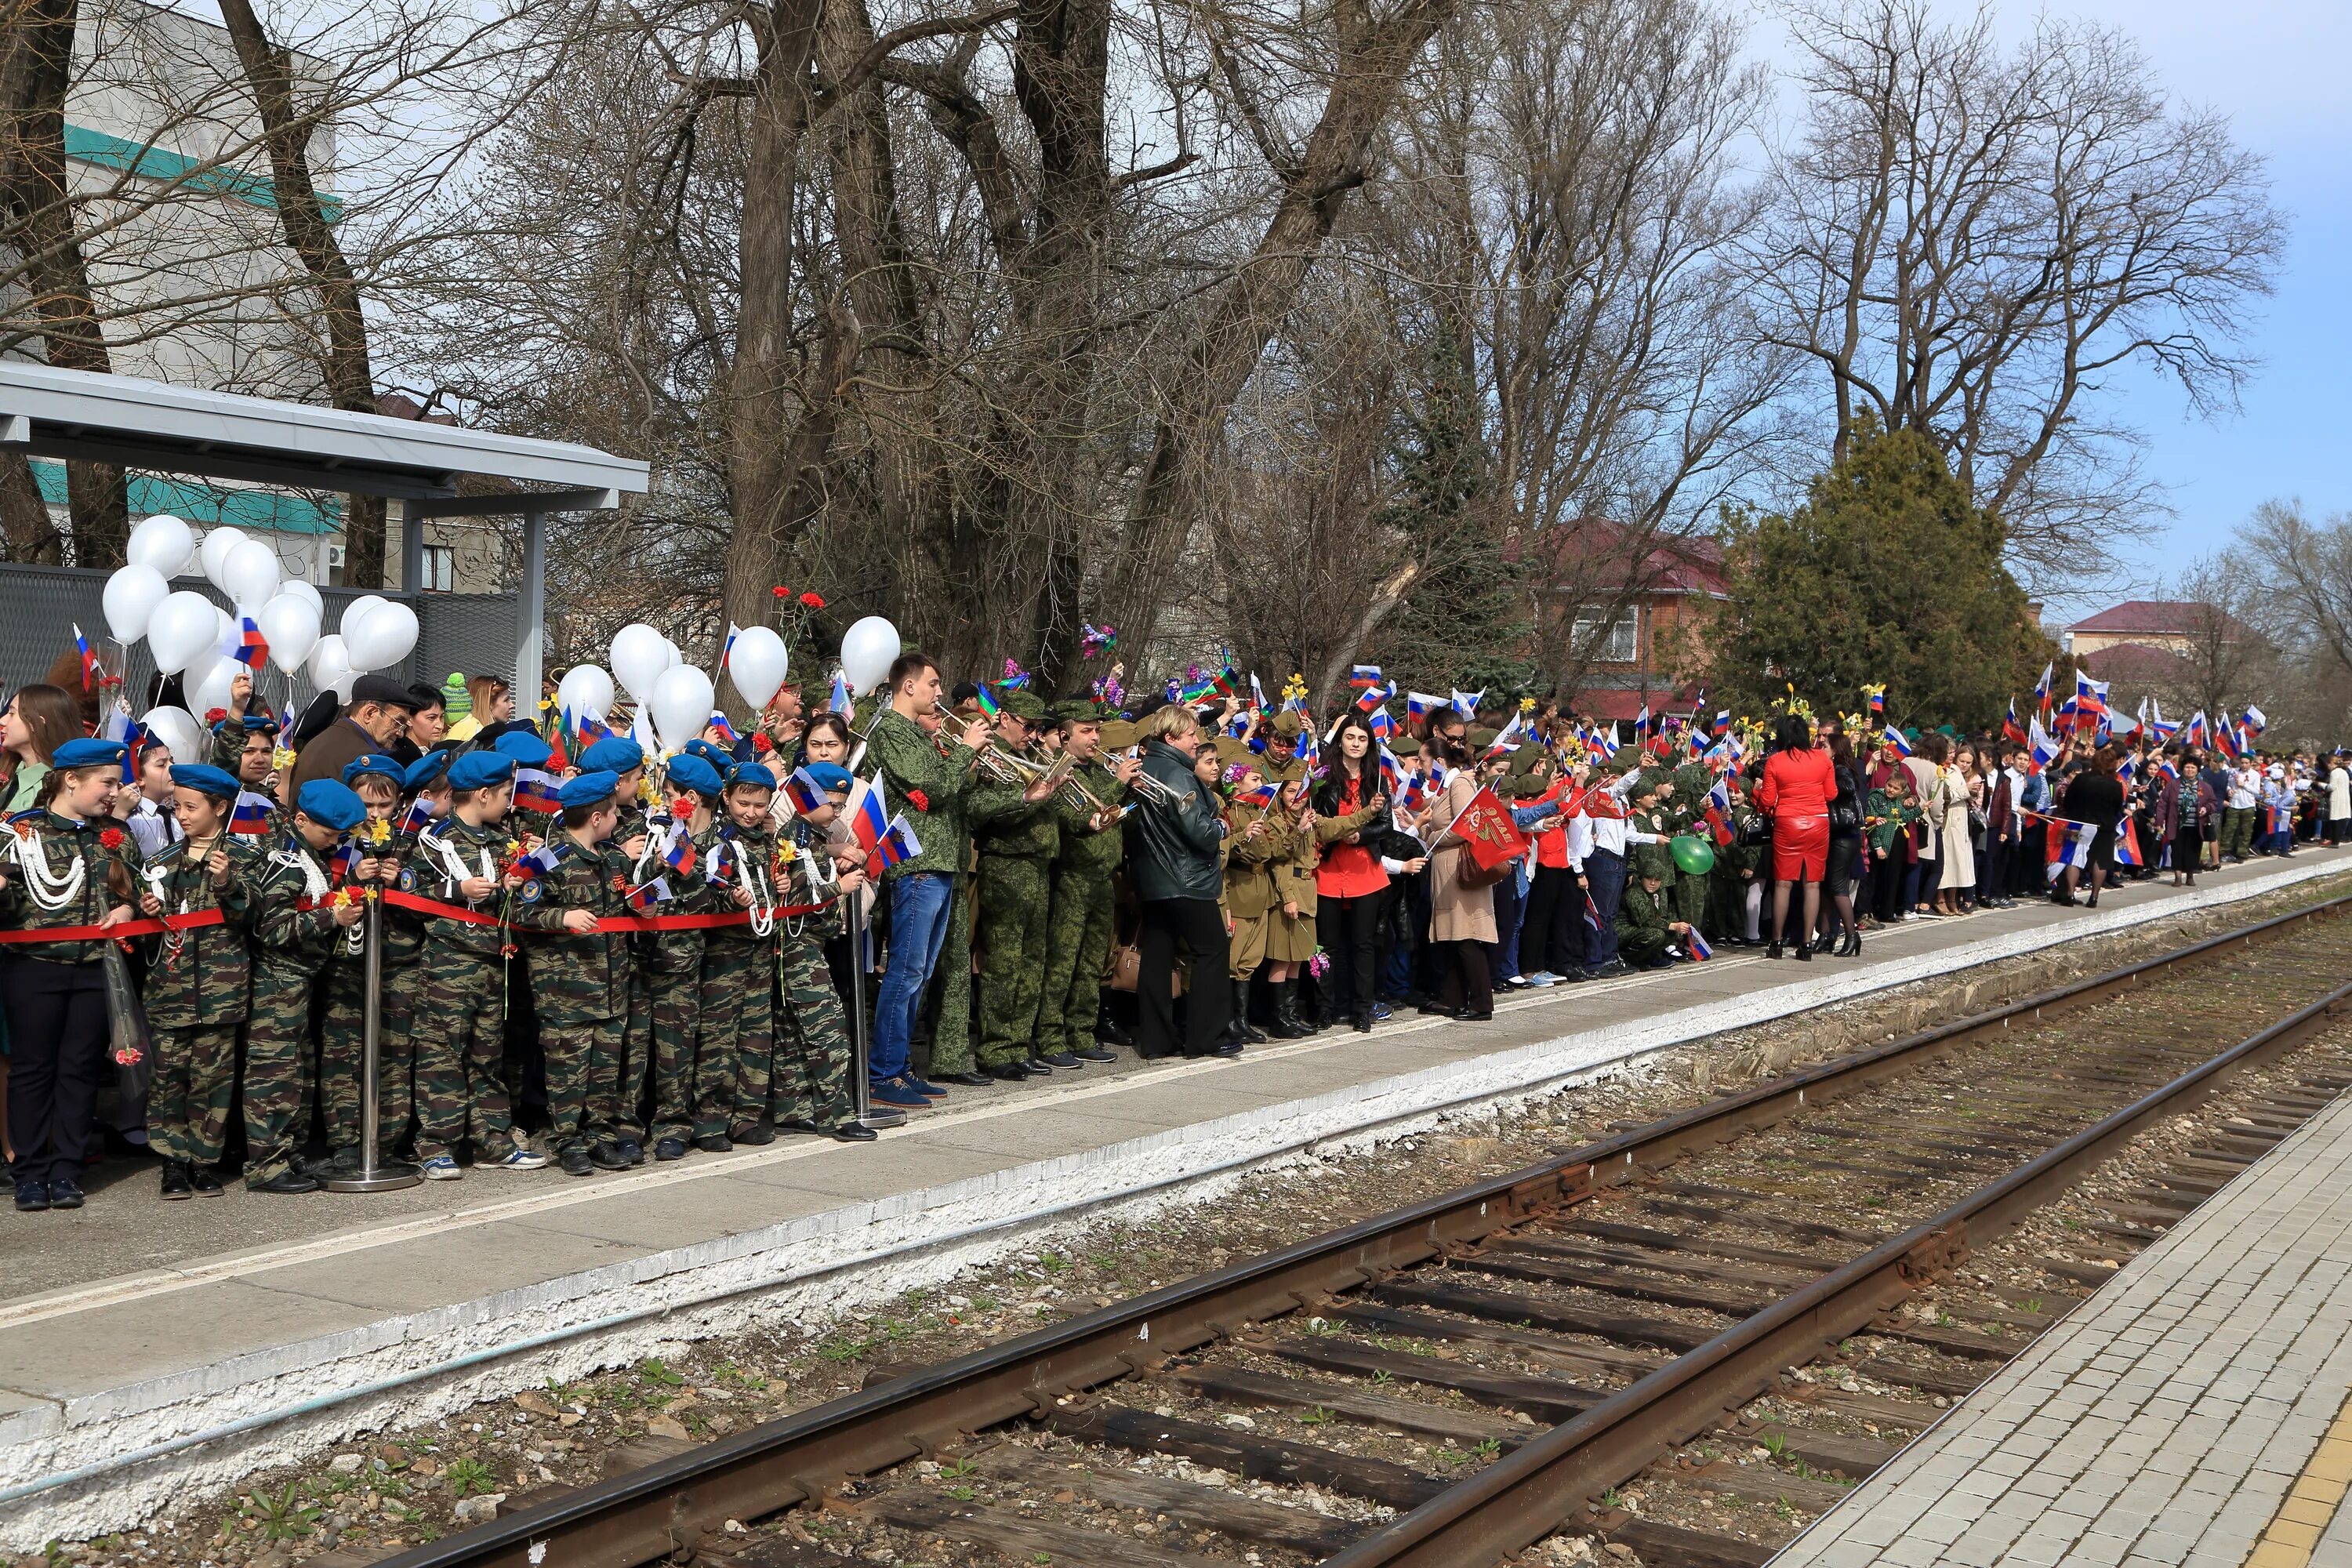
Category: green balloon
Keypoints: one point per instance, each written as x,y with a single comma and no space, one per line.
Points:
1693,857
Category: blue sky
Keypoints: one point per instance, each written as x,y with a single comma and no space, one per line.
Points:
2276,69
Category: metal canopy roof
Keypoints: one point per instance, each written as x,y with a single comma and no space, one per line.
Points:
73,413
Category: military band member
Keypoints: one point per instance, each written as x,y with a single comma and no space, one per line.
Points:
1016,834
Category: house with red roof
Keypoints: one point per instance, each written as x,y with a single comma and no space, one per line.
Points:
1642,606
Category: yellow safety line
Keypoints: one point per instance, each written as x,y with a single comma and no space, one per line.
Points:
2294,1531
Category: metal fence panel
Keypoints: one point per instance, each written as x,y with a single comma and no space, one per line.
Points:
40,606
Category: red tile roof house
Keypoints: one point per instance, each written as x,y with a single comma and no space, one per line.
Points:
2174,624
1675,585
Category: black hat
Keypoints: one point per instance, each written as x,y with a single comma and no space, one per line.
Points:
383,688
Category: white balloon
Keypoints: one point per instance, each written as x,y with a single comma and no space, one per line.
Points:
250,575
757,664
330,666
639,653
290,625
211,690
131,597
677,654
680,705
383,639
213,555
178,730
356,612
868,649
584,692
310,595
164,543
182,626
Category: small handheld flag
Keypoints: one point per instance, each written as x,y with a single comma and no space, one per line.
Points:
1466,702
340,863
1700,953
1894,742
840,702
537,791
803,792
868,822
2042,687
726,731
651,893
251,814
896,844
412,821
251,647
1260,794
1364,677
988,704
677,849
89,659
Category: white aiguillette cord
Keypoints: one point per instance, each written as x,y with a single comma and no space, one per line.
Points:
49,890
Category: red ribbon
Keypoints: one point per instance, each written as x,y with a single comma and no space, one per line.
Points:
155,927
603,922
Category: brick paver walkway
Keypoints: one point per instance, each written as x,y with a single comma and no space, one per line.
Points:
2164,1422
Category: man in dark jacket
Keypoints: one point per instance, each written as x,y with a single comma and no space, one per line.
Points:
1172,861
375,716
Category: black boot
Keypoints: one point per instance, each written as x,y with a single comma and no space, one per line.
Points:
1851,946
1826,941
1287,1024
176,1184
1242,1029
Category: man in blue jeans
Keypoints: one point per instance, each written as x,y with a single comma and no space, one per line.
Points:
925,775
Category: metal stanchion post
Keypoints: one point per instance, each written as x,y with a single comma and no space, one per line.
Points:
875,1116
372,1176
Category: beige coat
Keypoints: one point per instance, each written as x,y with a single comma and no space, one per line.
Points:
1457,913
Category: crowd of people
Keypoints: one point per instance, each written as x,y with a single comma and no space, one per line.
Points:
592,956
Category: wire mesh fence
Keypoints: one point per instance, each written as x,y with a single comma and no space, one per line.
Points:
40,606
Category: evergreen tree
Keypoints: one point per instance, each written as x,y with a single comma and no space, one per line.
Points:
1886,573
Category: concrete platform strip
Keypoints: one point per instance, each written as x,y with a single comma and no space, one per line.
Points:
118,1398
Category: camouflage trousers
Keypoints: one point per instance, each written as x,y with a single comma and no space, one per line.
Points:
690,1090
738,1027
1077,944
278,1089
812,1044
1688,895
619,1107
342,1054
1014,901
951,1036
188,1099
460,1038
583,1080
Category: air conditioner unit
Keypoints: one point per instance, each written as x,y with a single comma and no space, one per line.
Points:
334,555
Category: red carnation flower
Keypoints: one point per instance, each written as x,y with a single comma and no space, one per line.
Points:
780,591
681,808
214,715
111,839
812,600
919,800
761,743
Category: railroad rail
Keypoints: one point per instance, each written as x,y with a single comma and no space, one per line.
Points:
1559,1227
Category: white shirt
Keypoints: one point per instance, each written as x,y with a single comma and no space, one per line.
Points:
152,828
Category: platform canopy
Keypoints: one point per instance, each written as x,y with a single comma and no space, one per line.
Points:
84,416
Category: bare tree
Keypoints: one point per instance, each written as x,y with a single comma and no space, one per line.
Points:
2226,661
1969,241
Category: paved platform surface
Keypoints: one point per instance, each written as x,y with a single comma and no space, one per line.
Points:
146,1347
2196,1413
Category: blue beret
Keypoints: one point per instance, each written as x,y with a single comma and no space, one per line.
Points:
753,775
329,805
828,776
588,789
481,770
613,755
703,748
87,754
424,771
204,780
379,765
527,748
687,771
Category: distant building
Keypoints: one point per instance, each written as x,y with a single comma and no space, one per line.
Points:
1646,611
2177,624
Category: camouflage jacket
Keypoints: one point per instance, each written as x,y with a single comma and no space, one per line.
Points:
56,844
1081,849
742,855
201,976
1002,822
577,979
432,871
288,913
674,952
912,765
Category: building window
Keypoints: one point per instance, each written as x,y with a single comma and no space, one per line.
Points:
440,571
1620,643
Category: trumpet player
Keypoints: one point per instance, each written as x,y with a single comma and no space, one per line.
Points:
1078,925
928,776
1016,833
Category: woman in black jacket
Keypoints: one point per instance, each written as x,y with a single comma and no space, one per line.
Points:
2094,795
1173,862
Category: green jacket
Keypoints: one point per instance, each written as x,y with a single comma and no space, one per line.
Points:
292,929
1641,910
1002,822
57,843
912,763
428,874
1082,849
1652,859
203,977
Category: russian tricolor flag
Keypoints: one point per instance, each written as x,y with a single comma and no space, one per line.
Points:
896,843
653,892
1699,952
340,863
1374,696
803,792
867,821
251,647
251,814
2127,846
537,791
677,849
412,821
1364,677
1894,742
1420,705
726,731
1262,793
89,659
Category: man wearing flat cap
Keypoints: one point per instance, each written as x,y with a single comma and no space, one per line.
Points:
375,716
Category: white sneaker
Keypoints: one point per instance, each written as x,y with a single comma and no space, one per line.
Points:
441,1168
521,1157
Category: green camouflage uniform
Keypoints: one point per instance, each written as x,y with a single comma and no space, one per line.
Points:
198,984
461,992
294,932
1727,890
688,1089
1016,839
814,1049
1078,928
910,760
738,990
1685,810
580,989
1642,917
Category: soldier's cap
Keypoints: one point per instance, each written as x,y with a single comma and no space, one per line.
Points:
1480,739
424,771
720,761
751,775
329,805
383,688
527,748
1405,746
613,755
214,781
828,776
1076,710
1232,750
1119,733
481,770
1288,724
1022,703
587,789
378,764
689,770
87,753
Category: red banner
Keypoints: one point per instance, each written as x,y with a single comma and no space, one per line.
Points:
155,927
1486,829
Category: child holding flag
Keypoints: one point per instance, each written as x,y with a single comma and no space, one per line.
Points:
376,779
197,985
811,1089
580,974
691,1090
739,967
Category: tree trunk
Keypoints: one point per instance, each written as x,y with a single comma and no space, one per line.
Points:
35,65
350,373
1372,64
24,522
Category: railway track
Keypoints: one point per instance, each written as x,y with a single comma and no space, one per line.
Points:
1681,1340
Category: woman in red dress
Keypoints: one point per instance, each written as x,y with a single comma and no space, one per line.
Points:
1799,781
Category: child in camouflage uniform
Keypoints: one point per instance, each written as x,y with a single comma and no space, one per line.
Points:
343,1028
198,984
297,923
811,1091
580,974
739,964
620,1118
465,862
693,1090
